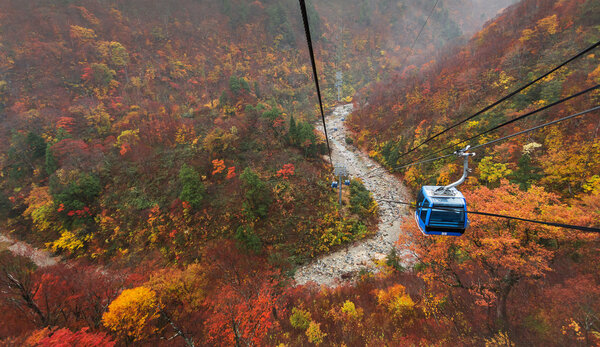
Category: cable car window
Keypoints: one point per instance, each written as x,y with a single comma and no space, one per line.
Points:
445,218
424,210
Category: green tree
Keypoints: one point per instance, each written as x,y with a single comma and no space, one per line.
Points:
77,194
51,163
257,90
257,194
102,74
192,188
314,20
248,239
36,144
278,24
526,173
23,154
293,132
307,140
223,99
235,85
360,198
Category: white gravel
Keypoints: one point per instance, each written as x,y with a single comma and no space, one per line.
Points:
329,269
41,258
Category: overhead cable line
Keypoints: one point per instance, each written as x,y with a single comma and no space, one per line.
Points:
314,68
519,118
538,127
506,97
597,108
560,225
412,46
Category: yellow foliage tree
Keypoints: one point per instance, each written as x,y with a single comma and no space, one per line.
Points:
526,35
81,34
548,24
114,52
314,333
185,134
218,141
69,242
180,288
349,310
396,300
41,209
99,119
130,315
492,172
128,137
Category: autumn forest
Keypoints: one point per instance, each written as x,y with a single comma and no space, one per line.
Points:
164,176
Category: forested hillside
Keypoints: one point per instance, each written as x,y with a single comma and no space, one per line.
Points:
125,121
524,281
166,152
525,42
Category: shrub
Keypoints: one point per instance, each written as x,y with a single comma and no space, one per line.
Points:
314,333
300,319
360,199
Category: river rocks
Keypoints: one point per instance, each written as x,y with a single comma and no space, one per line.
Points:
39,257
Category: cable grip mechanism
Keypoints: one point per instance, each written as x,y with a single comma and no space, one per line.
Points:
465,155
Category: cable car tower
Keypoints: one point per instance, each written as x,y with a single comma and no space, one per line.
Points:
339,83
450,216
341,172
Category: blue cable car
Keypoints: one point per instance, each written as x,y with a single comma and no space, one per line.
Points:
334,184
347,182
450,217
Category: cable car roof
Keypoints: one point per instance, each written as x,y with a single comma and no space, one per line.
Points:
433,193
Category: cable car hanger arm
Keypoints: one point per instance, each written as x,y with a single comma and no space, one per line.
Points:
461,153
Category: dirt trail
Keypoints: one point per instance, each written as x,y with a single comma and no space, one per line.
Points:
328,270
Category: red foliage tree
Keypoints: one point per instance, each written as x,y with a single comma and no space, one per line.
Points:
243,301
67,338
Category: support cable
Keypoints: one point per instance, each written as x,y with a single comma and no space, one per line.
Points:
560,225
314,68
500,139
412,46
506,97
520,117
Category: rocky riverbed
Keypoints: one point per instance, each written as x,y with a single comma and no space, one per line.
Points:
333,268
40,257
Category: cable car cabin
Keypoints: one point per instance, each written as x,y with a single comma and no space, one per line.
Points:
442,221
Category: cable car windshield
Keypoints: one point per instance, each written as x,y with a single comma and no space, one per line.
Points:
447,218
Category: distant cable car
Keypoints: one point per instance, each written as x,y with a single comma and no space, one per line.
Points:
334,184
334,129
343,119
347,182
450,218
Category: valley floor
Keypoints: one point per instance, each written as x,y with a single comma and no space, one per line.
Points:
329,269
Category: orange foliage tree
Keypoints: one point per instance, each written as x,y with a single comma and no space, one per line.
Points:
494,255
